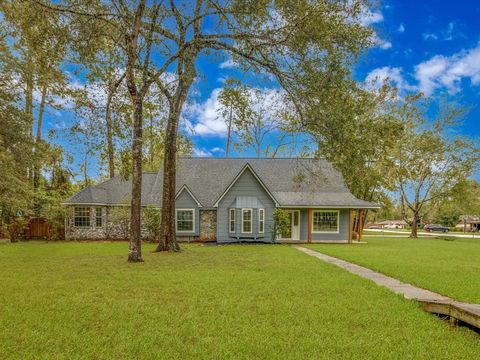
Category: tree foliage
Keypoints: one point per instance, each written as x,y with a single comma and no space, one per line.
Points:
428,161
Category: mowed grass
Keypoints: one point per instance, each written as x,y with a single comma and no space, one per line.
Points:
84,301
450,267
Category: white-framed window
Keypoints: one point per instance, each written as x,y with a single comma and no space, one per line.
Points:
261,221
98,217
185,220
81,216
247,221
231,220
325,221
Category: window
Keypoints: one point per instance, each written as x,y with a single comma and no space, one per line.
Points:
231,220
247,221
81,217
98,217
185,220
325,221
261,220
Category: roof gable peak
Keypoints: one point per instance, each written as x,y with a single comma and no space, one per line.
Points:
245,168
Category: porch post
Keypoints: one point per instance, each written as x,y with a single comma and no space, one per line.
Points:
360,224
350,227
309,232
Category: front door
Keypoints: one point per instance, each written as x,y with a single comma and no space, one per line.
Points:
293,231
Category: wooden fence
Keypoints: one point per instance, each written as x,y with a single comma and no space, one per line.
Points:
40,228
36,228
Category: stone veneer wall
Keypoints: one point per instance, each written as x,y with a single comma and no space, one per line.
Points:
208,225
109,230
208,228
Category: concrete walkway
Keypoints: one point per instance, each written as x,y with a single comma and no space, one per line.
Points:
430,300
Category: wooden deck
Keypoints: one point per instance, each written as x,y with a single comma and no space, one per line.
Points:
430,301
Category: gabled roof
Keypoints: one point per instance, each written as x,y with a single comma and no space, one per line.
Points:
294,182
245,168
185,188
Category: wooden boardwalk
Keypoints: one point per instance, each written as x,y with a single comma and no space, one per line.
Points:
431,301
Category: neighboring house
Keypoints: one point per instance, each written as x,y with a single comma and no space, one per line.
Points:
469,223
392,224
230,200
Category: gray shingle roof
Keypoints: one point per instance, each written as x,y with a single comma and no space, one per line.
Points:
292,181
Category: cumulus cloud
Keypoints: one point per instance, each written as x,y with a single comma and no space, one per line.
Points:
401,28
201,152
217,150
369,17
429,36
229,63
203,118
448,71
394,75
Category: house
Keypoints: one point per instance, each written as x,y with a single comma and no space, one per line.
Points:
469,223
392,224
231,200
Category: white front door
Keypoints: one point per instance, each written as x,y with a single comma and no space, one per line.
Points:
293,233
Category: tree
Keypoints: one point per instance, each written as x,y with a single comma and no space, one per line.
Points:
463,200
281,223
428,162
233,108
151,220
355,129
39,45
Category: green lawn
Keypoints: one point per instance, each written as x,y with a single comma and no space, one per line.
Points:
449,267
84,301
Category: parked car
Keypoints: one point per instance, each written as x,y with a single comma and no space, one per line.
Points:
436,227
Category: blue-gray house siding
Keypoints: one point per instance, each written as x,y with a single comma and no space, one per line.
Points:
185,201
245,186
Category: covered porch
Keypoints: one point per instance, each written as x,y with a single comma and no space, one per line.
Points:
323,225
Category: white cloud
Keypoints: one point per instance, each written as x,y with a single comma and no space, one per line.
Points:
204,117
229,63
383,44
204,120
401,28
429,36
369,17
217,150
201,152
448,72
394,75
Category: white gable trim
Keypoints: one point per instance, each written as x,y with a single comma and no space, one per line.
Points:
185,187
247,166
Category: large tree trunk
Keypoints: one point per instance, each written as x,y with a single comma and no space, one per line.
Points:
168,240
135,252
110,147
229,131
38,139
416,219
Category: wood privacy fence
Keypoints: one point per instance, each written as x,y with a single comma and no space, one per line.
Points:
36,228
40,228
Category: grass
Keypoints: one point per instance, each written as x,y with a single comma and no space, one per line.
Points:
449,266
84,301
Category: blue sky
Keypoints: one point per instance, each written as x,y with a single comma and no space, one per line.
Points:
431,46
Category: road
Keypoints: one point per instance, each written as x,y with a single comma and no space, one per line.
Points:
423,233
